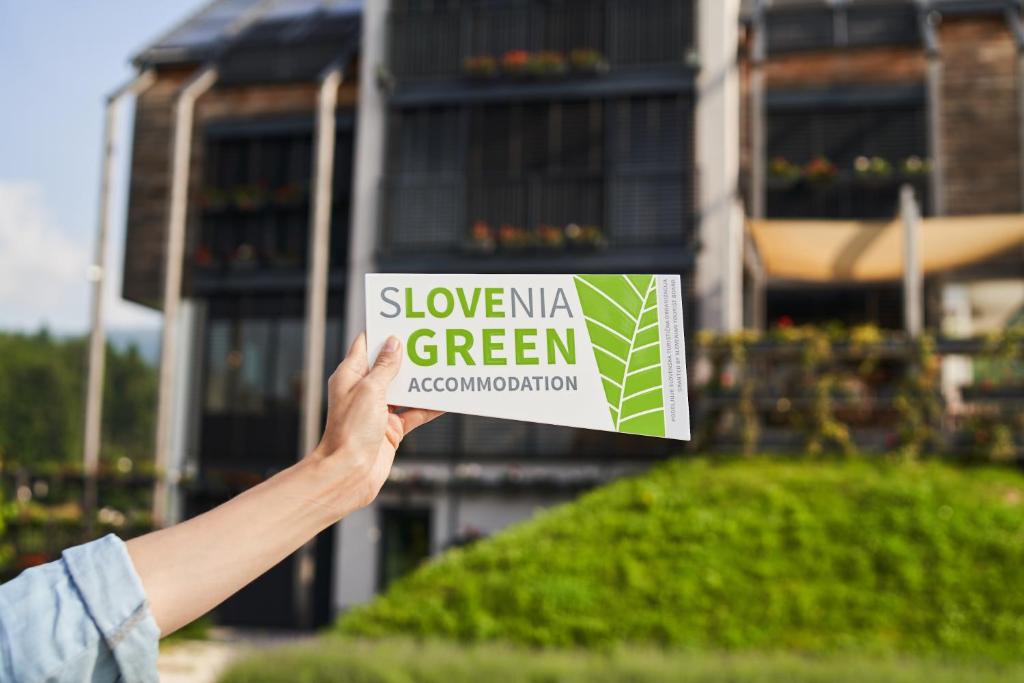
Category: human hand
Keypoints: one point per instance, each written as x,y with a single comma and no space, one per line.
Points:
363,431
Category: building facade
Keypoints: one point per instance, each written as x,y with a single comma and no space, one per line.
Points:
510,136
846,102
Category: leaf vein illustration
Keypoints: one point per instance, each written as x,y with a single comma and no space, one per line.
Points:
621,312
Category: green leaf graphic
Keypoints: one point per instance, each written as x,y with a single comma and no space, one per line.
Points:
622,318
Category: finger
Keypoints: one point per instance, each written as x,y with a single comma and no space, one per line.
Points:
354,366
389,360
417,417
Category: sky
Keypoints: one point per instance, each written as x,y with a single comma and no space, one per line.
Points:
58,60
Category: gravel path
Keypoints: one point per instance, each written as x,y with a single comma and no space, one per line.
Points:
201,661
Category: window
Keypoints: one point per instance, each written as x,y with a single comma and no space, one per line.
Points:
430,40
858,25
253,364
618,169
405,542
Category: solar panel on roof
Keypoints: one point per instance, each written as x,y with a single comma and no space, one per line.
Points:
211,27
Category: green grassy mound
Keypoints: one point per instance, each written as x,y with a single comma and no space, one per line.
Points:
339,660
752,554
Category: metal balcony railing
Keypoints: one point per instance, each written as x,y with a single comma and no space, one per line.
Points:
434,40
845,196
536,214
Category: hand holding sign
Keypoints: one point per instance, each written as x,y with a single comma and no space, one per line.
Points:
363,432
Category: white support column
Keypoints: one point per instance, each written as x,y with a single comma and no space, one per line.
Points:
181,159
371,122
355,556
316,311
913,300
718,163
97,275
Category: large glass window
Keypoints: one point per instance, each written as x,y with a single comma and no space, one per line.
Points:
537,177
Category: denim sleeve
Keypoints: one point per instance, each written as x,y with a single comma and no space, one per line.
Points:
83,617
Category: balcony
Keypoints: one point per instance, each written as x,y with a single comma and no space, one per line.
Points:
844,195
539,221
261,237
444,39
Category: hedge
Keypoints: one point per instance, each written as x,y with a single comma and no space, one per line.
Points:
847,555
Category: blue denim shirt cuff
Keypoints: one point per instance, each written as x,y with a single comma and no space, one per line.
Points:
115,599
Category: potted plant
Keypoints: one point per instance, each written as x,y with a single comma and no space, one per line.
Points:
249,197
213,198
820,171
546,64
289,194
586,60
588,237
872,169
915,166
550,236
784,172
244,257
203,256
515,62
514,237
480,66
481,238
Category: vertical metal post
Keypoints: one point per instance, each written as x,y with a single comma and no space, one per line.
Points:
316,310
371,118
913,318
97,273
757,113
1020,125
1013,19
181,159
933,80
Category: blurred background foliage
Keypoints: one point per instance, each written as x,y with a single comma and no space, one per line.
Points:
42,380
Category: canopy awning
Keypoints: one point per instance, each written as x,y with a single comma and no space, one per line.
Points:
865,251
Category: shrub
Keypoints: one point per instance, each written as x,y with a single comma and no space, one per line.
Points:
743,554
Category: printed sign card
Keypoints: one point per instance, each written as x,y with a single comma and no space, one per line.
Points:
593,351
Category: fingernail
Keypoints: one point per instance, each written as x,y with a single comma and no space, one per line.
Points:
391,345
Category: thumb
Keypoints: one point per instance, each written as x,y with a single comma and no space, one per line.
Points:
389,360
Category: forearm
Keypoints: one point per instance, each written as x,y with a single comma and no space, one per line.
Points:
190,568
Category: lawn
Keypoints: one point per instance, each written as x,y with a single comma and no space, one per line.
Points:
341,660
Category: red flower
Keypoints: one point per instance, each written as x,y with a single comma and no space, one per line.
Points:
515,58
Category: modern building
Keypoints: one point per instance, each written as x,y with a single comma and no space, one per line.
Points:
518,136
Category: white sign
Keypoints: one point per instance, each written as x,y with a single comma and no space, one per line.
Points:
593,351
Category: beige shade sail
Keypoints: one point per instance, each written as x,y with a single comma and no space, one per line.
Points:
865,251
